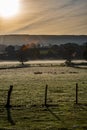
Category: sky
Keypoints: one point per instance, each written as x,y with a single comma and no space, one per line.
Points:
47,17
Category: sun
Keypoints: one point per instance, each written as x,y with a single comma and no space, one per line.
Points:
9,8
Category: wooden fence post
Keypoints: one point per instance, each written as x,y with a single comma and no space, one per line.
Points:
46,95
76,93
9,96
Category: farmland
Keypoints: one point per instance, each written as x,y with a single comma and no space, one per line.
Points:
28,111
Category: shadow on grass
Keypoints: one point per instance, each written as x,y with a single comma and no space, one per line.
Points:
9,116
15,67
82,65
52,113
78,67
82,106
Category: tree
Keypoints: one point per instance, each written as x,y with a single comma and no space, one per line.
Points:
85,52
70,52
22,54
10,52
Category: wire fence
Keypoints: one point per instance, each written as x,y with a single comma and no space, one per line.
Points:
45,96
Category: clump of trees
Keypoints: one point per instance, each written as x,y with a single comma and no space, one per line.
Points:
27,52
68,51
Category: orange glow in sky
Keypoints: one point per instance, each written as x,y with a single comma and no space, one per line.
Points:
57,17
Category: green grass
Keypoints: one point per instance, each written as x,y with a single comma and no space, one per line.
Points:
27,99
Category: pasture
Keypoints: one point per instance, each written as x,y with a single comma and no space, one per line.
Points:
28,111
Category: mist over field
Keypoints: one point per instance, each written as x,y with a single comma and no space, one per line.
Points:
39,62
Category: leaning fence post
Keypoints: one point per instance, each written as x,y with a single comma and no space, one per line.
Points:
46,95
9,96
76,93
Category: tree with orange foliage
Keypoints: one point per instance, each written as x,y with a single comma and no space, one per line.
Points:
28,51
23,54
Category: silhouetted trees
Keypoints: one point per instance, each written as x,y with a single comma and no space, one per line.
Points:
27,52
85,52
68,51
10,52
22,54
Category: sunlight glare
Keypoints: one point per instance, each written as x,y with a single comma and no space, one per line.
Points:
9,8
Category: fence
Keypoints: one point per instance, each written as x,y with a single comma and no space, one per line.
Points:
46,96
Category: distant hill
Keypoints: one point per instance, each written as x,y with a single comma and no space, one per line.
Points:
42,39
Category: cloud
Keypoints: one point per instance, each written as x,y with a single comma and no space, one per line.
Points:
50,17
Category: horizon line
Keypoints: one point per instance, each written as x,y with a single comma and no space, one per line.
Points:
45,34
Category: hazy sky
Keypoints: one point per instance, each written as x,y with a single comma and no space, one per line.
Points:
47,17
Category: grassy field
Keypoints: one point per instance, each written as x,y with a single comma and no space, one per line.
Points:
28,111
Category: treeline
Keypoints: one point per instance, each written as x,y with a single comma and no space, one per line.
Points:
36,51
